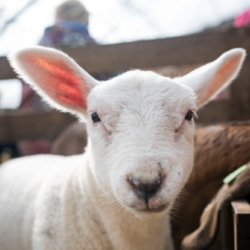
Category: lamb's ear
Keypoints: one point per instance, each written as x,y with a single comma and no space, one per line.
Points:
210,79
55,76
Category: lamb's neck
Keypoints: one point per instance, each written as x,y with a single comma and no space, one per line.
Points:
122,228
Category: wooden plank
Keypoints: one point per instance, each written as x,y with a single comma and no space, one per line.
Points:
240,98
16,125
241,207
192,49
214,112
241,211
31,125
6,71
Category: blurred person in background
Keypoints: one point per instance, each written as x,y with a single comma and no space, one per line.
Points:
71,30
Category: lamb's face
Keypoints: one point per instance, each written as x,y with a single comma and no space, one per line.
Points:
143,141
140,124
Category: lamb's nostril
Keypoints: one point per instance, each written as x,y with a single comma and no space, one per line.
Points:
145,190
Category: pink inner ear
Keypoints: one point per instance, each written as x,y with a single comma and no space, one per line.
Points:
62,83
222,76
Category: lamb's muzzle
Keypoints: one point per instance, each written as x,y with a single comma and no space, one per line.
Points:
146,190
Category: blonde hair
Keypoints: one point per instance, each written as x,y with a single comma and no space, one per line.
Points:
72,10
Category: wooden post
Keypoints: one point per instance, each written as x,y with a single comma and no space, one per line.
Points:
227,230
241,220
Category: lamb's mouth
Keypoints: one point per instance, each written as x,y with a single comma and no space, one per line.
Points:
153,210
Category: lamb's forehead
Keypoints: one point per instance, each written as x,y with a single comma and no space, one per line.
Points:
142,86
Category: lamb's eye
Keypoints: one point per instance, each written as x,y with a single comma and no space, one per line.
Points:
189,115
95,117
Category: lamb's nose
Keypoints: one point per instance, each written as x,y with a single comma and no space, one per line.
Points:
145,190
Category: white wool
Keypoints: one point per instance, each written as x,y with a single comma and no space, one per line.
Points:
91,201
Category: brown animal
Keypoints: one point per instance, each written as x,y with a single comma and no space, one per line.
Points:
71,141
219,149
204,236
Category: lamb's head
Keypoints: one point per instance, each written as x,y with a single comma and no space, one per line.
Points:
143,141
140,124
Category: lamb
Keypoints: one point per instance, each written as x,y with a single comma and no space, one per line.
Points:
119,194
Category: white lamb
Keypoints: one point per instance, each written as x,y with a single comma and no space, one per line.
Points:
119,194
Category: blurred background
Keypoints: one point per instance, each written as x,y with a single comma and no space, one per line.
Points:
22,24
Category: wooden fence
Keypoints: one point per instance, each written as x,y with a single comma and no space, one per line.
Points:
178,51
